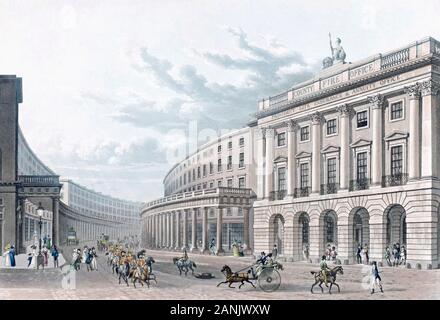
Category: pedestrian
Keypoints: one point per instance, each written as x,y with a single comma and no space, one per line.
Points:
333,254
388,256
358,254
367,257
12,256
375,278
396,255
403,255
45,252
55,255
212,246
274,252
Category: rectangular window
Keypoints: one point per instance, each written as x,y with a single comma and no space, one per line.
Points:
229,183
211,168
204,170
241,142
361,173
304,175
281,179
189,176
194,174
281,139
305,133
241,160
219,148
397,110
331,171
211,185
241,183
219,183
219,165
396,160
229,162
331,127
198,172
230,145
362,119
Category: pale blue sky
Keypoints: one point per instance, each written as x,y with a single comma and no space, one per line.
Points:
108,83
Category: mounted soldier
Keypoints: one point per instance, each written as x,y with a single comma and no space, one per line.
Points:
324,269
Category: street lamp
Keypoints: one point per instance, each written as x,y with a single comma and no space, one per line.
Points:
40,260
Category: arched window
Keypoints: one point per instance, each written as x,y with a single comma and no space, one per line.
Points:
329,228
305,229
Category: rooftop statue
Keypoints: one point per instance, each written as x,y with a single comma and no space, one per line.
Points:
338,54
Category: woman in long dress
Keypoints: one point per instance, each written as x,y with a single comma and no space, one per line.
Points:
34,257
12,256
6,256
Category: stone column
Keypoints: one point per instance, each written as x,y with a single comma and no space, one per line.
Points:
270,133
205,240
172,228
194,230
177,234
246,240
292,127
156,230
316,119
430,91
55,221
414,131
344,165
260,162
163,231
376,103
219,239
185,229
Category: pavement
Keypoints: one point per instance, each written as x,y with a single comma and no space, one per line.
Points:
296,280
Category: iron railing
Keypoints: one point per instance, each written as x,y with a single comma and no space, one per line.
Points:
277,195
395,180
302,192
359,184
329,188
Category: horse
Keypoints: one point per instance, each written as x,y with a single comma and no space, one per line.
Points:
124,273
319,278
115,264
184,265
232,277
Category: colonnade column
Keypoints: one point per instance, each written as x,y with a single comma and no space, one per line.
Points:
194,230
246,240
185,229
156,230
260,163
414,132
270,133
316,119
55,221
292,127
376,103
178,245
219,239
162,236
172,228
204,248
430,90
344,165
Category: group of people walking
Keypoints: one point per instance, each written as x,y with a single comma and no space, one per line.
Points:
362,256
86,256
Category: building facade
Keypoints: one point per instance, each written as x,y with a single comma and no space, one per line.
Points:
27,183
210,191
348,158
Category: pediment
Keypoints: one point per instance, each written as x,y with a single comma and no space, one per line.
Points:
303,154
280,159
360,143
330,149
396,135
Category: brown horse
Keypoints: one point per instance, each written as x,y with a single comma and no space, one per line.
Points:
331,278
232,277
140,274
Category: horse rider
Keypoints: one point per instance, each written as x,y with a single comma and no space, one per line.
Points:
324,269
184,258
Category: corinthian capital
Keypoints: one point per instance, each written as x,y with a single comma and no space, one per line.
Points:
344,110
430,88
292,126
270,133
316,118
376,101
413,91
261,133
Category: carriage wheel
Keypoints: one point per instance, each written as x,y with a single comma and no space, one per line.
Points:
269,280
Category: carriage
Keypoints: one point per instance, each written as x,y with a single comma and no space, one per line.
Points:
267,275
71,237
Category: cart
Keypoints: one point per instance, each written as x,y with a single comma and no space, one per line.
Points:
267,275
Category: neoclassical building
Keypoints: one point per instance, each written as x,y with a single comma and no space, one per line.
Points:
349,157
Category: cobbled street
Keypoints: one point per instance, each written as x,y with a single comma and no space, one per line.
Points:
296,280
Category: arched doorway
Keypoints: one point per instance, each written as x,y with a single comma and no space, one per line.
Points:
360,230
304,234
329,230
277,233
396,225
